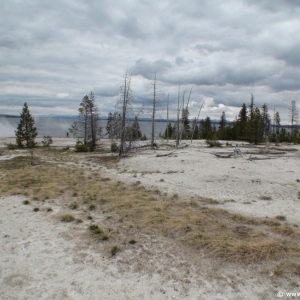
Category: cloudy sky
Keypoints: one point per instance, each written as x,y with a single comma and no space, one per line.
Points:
53,53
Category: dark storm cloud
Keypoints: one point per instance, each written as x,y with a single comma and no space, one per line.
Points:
55,52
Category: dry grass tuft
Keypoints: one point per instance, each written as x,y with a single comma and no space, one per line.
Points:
67,218
265,198
280,218
287,267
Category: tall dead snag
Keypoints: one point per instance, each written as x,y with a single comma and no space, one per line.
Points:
168,119
157,95
126,125
126,98
185,115
178,109
196,121
293,114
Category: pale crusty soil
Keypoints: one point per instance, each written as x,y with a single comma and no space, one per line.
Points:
43,258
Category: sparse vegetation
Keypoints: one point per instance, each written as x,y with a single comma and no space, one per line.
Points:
115,250
265,198
213,143
74,205
92,207
132,242
67,218
36,209
280,218
47,140
234,237
26,202
12,147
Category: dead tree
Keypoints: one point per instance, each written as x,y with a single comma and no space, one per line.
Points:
157,95
184,111
126,98
197,121
293,114
168,119
177,134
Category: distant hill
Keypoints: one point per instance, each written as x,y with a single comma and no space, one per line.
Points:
8,116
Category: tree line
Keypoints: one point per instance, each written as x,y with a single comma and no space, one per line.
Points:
253,124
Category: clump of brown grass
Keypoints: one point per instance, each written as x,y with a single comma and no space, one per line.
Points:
284,230
287,267
97,231
115,250
280,218
265,198
67,218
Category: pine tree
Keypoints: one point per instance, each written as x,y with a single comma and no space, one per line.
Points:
251,108
109,125
186,130
136,131
169,132
242,121
88,125
266,121
26,131
222,126
206,130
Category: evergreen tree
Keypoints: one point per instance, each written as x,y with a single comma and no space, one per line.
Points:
251,108
206,130
277,123
242,121
136,132
169,132
257,127
266,121
26,131
88,125
186,130
222,127
109,125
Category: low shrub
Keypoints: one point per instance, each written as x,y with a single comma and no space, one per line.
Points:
80,147
47,140
114,147
12,147
115,250
213,143
67,218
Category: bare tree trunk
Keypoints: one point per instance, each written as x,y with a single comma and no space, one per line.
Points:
153,112
31,157
177,135
196,122
122,142
187,106
168,119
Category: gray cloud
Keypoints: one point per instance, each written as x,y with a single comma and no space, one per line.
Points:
54,53
147,68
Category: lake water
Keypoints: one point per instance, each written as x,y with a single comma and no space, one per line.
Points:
58,127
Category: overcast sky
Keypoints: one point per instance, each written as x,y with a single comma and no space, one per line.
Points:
53,53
